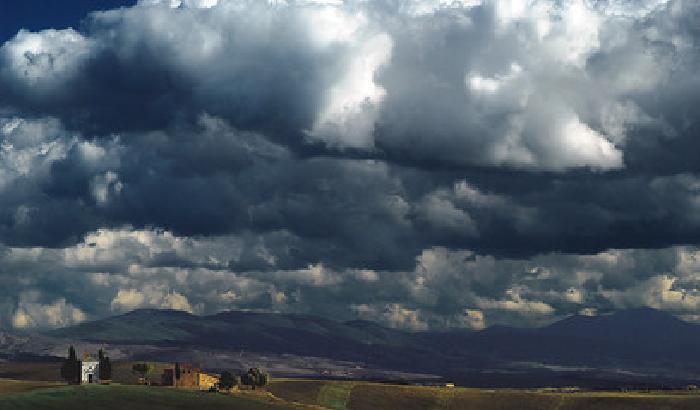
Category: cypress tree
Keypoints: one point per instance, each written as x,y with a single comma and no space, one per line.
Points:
70,371
105,366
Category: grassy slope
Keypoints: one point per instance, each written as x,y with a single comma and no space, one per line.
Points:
128,397
335,396
20,386
299,391
18,395
372,396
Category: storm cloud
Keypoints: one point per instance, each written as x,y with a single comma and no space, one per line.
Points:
427,164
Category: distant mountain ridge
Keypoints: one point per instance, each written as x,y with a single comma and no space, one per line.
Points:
626,323
629,341
172,326
250,331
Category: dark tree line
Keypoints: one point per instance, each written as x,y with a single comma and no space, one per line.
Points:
228,380
70,371
105,366
254,377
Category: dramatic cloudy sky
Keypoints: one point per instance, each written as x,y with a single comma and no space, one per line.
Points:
421,163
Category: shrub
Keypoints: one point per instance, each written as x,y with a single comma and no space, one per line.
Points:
255,377
227,380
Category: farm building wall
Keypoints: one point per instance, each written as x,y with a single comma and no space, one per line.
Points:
207,381
90,372
188,377
168,377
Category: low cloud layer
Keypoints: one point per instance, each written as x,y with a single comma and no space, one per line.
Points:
425,163
114,271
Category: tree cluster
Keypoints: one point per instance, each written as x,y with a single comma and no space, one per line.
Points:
105,366
70,370
228,380
255,377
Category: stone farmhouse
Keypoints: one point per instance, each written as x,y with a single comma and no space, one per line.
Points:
191,377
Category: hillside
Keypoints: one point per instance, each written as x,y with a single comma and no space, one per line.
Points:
639,337
241,328
633,346
258,332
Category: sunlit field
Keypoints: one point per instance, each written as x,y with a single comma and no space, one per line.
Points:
336,395
371,396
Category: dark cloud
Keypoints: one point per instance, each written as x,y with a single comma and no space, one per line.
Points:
425,163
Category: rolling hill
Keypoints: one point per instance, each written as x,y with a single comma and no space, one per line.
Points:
249,331
332,395
631,345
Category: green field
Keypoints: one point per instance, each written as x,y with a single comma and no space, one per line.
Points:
20,386
117,397
334,395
